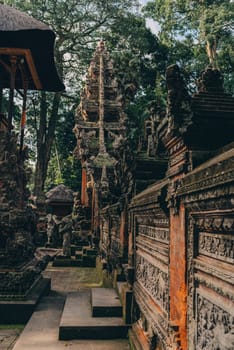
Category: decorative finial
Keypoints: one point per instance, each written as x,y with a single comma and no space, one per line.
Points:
211,80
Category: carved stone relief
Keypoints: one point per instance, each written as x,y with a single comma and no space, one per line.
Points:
217,246
210,256
155,233
214,326
154,280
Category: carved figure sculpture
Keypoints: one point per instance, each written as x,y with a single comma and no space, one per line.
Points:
67,244
178,99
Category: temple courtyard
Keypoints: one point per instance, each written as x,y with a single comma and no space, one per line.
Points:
42,330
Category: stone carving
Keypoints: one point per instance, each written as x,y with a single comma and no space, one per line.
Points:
17,219
217,223
80,219
154,280
214,326
104,151
156,233
167,337
219,247
207,182
200,224
65,230
211,80
178,100
150,140
67,244
172,198
53,239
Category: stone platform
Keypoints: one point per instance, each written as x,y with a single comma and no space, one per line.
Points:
42,329
19,311
105,303
77,321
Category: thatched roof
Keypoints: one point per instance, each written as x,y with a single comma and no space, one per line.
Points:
59,194
13,20
21,31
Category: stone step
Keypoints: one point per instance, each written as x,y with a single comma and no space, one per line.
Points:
105,303
77,321
78,261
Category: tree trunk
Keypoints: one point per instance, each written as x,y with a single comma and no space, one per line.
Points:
45,139
211,49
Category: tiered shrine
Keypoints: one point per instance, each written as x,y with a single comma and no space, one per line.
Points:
102,147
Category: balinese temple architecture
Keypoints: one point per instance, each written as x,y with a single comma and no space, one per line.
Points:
102,147
181,227
174,239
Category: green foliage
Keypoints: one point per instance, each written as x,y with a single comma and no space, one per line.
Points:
137,112
78,25
138,60
196,33
65,171
134,49
63,167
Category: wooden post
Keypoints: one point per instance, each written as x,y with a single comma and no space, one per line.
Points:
13,60
23,117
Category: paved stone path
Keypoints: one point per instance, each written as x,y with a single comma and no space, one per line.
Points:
41,332
8,337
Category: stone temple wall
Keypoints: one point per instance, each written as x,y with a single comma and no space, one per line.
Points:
174,239
208,195
183,262
149,227
181,228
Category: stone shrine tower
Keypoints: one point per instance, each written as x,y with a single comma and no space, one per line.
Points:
101,138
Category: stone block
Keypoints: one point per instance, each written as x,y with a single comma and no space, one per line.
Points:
105,303
77,321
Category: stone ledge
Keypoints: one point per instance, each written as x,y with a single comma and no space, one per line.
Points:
19,312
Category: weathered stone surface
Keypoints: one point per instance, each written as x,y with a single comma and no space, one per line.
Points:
77,321
17,219
184,270
105,303
102,147
179,239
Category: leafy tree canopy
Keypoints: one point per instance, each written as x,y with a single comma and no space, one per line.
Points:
196,33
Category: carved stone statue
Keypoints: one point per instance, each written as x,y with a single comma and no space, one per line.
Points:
178,99
65,229
67,244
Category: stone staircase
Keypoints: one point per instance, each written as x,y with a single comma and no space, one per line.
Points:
94,313
81,256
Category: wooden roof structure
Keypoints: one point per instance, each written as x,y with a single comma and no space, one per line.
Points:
31,44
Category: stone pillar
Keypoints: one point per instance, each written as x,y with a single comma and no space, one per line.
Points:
177,273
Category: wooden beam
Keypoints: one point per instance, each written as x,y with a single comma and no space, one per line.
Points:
26,53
